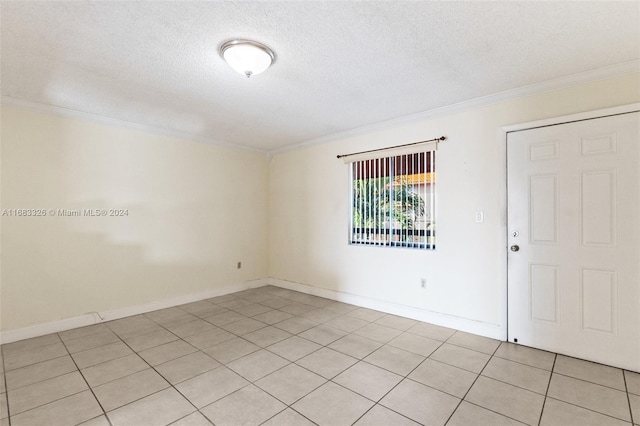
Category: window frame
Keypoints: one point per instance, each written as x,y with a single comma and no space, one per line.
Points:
395,233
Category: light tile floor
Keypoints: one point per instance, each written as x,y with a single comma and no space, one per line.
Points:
276,357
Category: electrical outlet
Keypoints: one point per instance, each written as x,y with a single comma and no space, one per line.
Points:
423,282
239,265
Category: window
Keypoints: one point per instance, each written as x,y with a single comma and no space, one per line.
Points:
393,201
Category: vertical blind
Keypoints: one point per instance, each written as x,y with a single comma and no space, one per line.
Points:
393,200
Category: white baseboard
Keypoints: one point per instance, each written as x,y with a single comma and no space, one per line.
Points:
485,329
493,331
113,314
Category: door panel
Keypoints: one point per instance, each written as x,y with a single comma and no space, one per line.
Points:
599,295
543,289
574,213
598,207
543,209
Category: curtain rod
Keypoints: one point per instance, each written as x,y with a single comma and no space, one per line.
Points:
441,138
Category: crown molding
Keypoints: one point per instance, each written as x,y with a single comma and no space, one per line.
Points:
598,74
572,118
572,80
100,119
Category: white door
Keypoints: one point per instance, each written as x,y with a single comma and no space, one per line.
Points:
574,219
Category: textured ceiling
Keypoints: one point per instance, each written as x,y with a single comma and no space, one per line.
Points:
340,65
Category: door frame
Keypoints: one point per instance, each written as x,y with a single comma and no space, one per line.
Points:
504,133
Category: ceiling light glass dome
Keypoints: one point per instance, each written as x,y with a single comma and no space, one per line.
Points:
247,57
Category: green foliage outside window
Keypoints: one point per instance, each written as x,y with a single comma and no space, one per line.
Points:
373,206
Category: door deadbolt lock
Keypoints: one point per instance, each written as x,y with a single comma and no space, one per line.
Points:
515,248
515,233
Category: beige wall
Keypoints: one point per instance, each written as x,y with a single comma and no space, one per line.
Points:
195,210
466,275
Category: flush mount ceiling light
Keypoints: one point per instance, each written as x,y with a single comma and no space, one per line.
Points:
247,57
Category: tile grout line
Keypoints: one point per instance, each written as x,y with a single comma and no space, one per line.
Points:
221,363
287,406
32,349
171,385
507,383
347,333
331,379
548,385
292,409
472,384
49,378
239,336
406,377
580,406
440,390
626,388
358,360
104,413
495,412
6,389
313,307
305,339
70,355
341,315
289,363
382,368
46,403
36,363
589,381
249,381
522,363
82,375
290,406
546,392
480,374
196,348
199,350
591,410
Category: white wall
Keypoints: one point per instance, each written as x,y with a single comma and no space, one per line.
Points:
195,210
466,275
